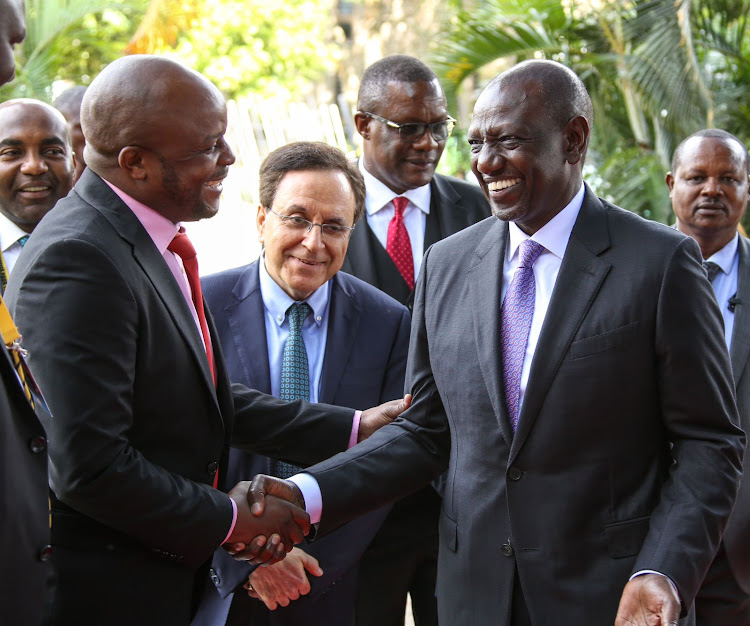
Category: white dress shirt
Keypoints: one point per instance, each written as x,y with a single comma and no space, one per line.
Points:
380,210
725,283
10,233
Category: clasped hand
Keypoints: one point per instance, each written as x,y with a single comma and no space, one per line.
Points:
265,536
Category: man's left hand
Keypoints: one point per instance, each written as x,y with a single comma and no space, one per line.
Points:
379,416
648,600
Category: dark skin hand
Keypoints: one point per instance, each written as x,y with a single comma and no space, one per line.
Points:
379,416
647,600
265,488
270,535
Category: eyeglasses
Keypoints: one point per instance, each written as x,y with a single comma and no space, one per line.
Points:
414,131
300,224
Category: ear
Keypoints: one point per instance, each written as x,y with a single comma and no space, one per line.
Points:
260,221
133,162
362,122
669,179
576,139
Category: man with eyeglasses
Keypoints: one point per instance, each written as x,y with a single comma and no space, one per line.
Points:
350,342
404,123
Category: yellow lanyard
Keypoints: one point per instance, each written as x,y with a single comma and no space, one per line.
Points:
12,341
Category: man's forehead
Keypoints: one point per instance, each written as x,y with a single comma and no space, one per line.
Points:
700,151
24,120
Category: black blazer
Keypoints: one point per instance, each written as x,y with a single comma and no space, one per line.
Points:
364,365
139,428
24,523
627,455
454,205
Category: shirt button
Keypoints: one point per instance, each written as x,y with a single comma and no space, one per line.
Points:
45,553
280,318
214,577
319,318
507,549
38,445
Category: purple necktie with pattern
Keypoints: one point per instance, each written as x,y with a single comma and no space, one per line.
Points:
515,324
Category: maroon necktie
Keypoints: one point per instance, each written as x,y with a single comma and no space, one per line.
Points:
398,245
182,247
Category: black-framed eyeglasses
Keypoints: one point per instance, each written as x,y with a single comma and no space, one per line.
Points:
300,225
414,131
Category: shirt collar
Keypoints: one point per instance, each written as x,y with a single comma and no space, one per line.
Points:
554,235
9,233
160,229
379,195
277,301
724,257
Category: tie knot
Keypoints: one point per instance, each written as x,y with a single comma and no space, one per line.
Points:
182,246
530,251
22,240
297,314
712,269
400,204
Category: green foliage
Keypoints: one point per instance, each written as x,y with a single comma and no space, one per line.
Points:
657,70
253,46
69,39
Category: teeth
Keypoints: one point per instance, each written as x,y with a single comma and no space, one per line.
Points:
503,184
35,189
214,184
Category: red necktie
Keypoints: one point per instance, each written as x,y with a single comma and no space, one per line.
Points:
182,247
398,245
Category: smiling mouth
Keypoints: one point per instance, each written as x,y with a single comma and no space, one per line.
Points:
215,185
35,189
499,185
306,262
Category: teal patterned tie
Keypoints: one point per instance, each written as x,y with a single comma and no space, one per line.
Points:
295,373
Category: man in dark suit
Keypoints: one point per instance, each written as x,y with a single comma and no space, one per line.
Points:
24,524
399,99
709,189
567,366
107,296
356,339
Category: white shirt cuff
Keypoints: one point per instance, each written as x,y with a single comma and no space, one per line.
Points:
311,493
671,582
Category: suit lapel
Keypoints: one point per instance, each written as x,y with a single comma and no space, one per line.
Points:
343,324
580,277
488,263
245,317
741,334
445,212
123,220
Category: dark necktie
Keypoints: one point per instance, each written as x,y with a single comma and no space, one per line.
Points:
711,269
515,325
398,245
295,372
182,247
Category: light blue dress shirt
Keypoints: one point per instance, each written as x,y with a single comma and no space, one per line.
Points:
314,330
725,283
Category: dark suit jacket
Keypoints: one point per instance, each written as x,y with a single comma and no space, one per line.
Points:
139,428
24,523
627,454
455,204
737,535
364,365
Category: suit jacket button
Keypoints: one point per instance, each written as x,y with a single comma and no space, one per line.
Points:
212,468
214,577
45,553
514,473
38,445
507,549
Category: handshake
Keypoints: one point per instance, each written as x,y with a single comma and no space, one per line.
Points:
271,514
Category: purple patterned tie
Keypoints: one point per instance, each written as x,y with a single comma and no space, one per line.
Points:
515,324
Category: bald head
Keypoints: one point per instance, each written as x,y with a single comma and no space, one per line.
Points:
563,93
133,100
